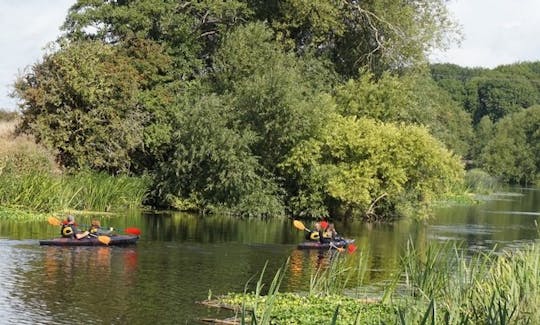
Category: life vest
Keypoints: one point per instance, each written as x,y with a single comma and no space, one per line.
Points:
67,231
314,235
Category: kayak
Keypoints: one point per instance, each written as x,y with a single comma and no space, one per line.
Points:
319,245
91,241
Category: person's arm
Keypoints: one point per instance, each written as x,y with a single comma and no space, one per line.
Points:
81,235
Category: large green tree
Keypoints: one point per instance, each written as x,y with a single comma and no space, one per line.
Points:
217,98
210,165
275,94
412,99
370,168
82,101
190,30
498,95
378,34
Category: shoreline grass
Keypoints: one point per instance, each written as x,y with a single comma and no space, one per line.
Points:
31,181
439,285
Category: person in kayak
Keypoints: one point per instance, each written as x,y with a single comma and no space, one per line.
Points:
95,228
69,229
330,234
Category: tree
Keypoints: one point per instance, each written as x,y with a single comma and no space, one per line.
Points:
499,95
374,169
514,151
454,79
210,165
190,30
380,35
412,99
484,132
275,94
82,101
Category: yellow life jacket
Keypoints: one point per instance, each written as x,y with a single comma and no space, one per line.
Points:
67,231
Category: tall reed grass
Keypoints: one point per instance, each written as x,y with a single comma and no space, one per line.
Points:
82,191
30,179
488,288
325,303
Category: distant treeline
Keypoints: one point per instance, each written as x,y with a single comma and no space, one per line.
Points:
271,107
504,106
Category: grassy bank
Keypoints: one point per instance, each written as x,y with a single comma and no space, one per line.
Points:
437,286
30,180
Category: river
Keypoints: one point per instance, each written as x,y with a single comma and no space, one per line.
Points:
183,259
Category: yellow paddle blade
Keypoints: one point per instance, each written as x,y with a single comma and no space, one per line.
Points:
104,239
53,221
299,225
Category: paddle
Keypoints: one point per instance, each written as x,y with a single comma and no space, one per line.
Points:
339,249
299,225
132,231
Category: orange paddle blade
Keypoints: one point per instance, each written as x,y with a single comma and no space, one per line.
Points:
299,225
54,221
104,239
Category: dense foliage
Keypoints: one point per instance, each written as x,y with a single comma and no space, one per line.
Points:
376,168
503,105
263,107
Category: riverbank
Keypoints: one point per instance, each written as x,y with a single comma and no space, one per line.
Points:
438,285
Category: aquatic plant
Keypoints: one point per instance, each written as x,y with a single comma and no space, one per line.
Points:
488,288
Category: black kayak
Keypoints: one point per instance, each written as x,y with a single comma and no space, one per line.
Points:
91,241
319,245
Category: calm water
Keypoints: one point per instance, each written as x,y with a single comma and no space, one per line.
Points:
182,259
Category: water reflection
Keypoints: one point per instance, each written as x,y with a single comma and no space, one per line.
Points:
181,259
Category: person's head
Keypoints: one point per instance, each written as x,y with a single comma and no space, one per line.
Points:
70,219
317,226
96,223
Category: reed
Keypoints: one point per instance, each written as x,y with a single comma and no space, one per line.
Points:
339,275
438,285
101,192
88,191
479,181
325,303
30,180
488,288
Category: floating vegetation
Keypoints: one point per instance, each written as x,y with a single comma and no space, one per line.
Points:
439,285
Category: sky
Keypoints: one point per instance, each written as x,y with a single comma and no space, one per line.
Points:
496,32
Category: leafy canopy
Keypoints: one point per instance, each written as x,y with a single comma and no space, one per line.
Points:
353,163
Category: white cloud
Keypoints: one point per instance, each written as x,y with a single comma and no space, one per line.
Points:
27,27
496,32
